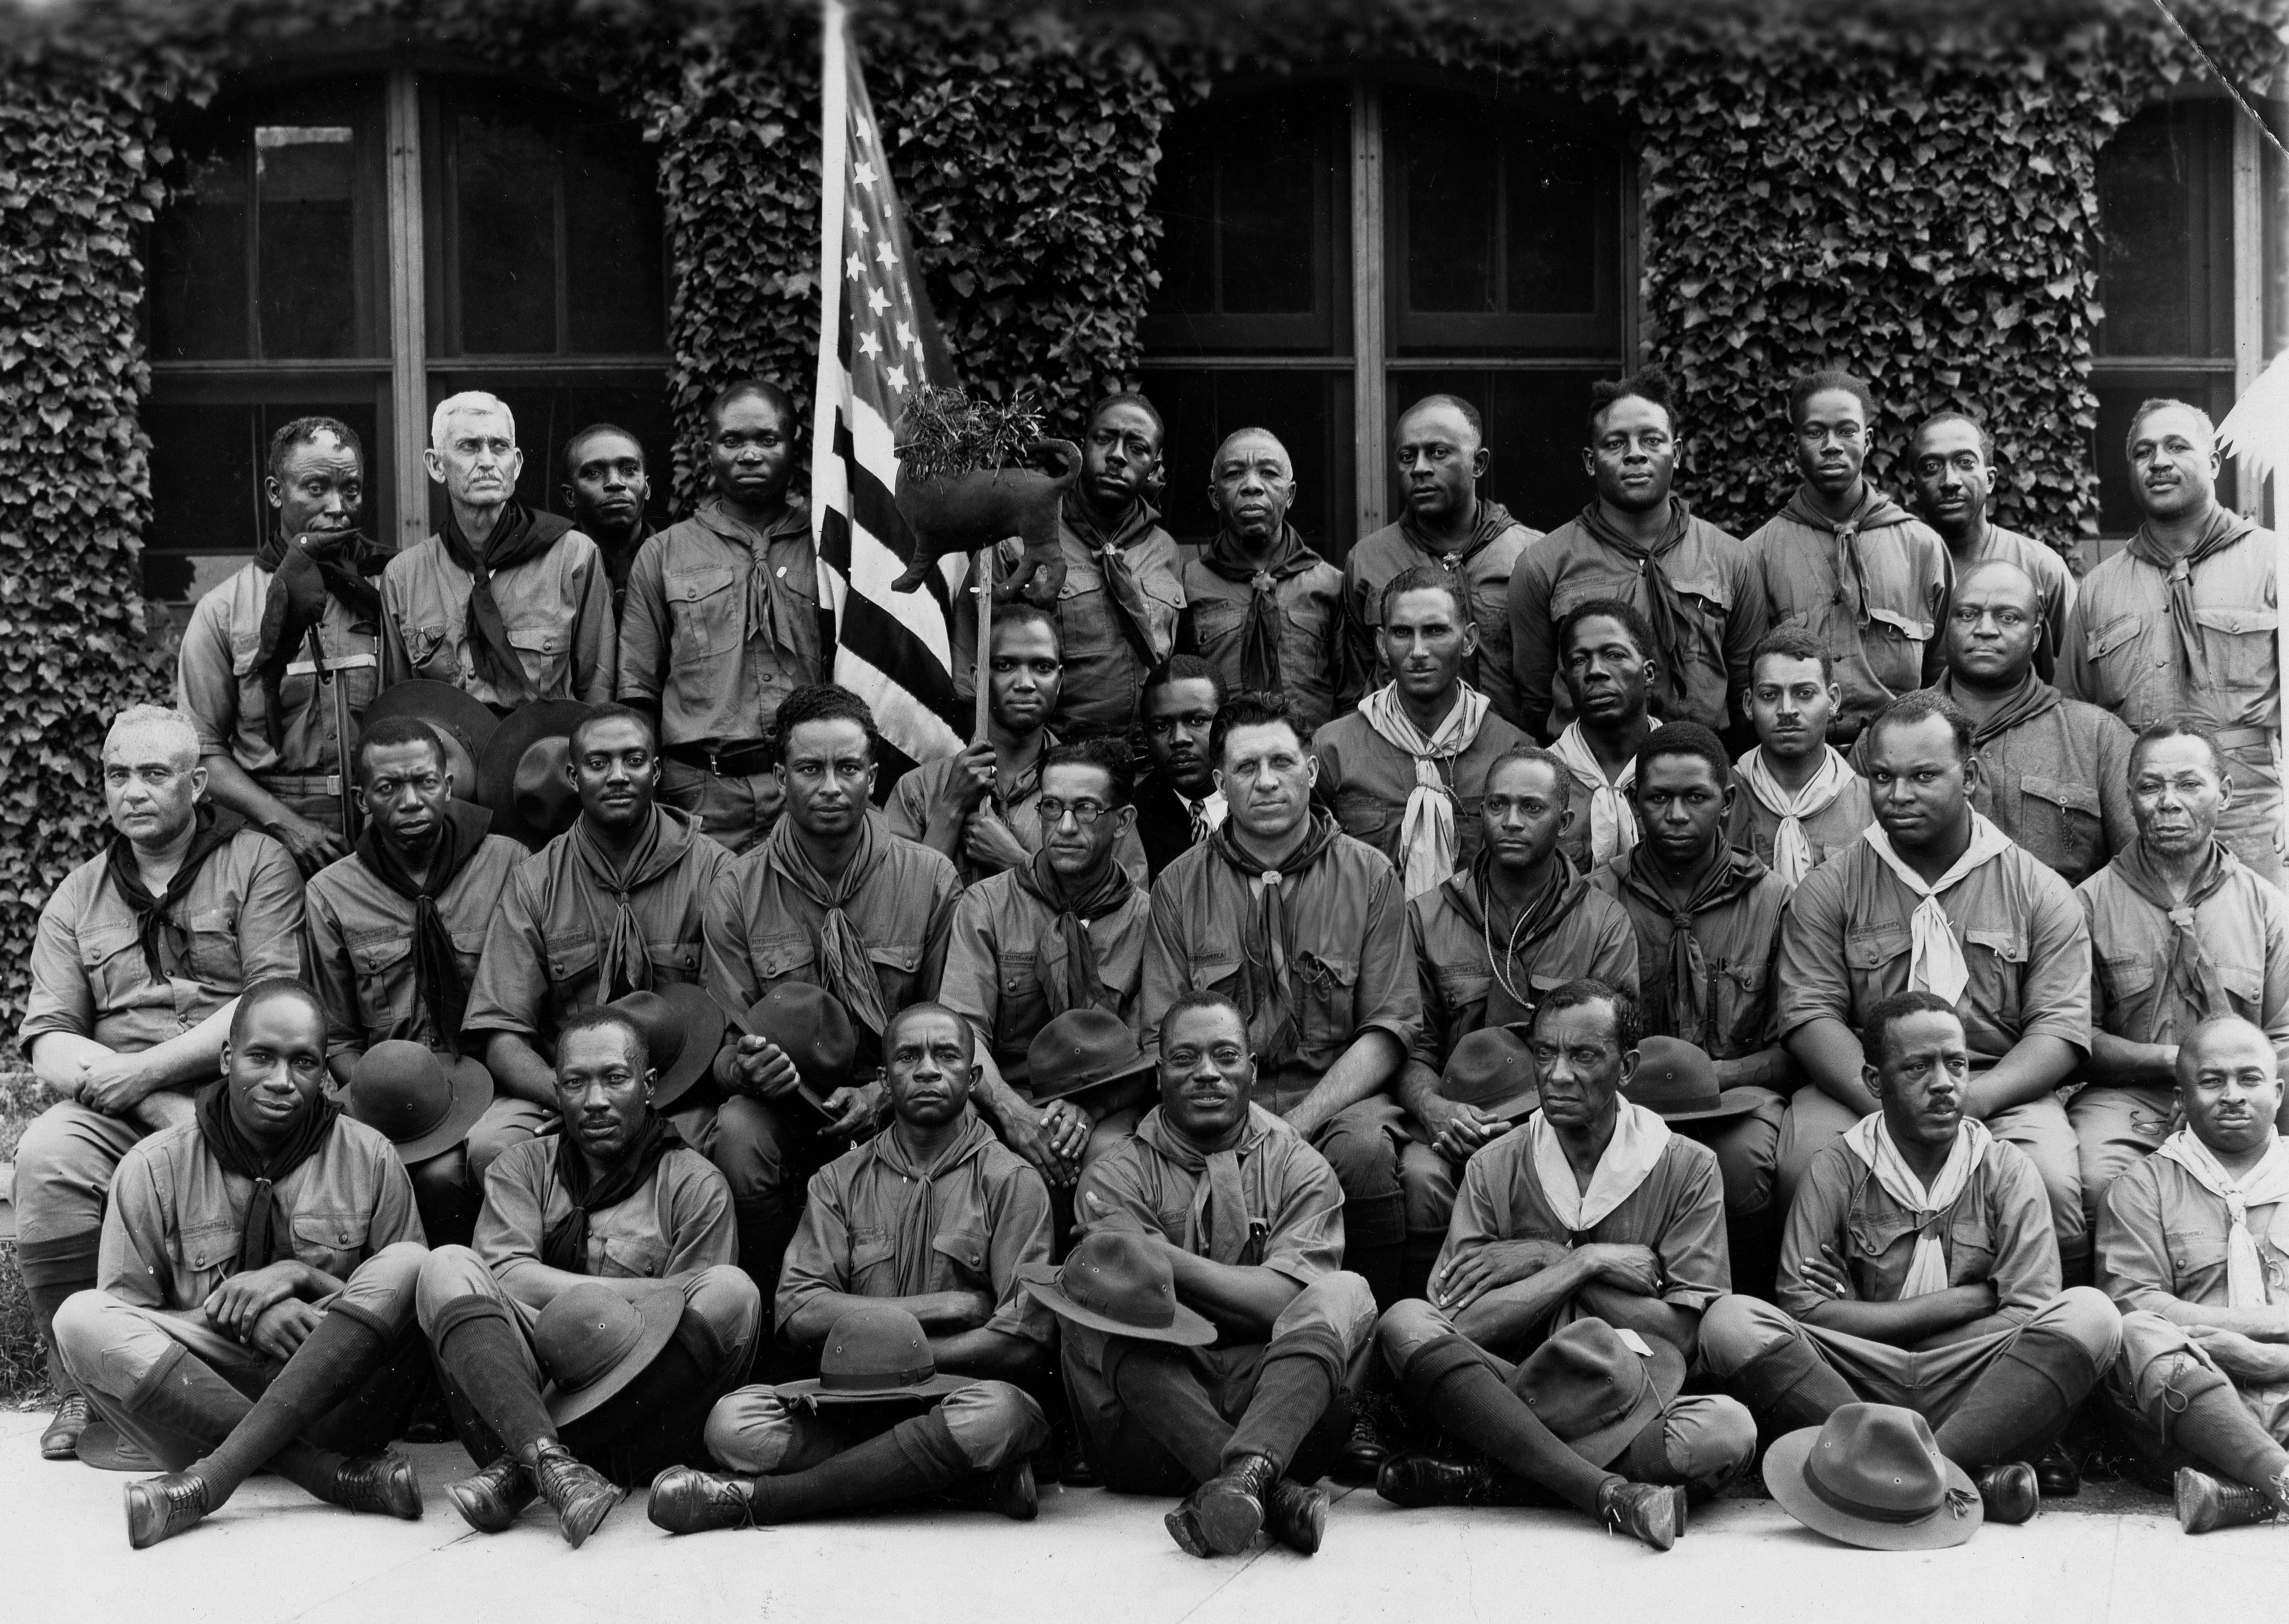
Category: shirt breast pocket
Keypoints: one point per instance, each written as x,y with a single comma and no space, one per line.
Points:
1218,618
871,1249
379,958
702,611
964,1249
895,967
1869,1238
570,963
544,650
777,958
1363,815
2072,811
632,1257
209,1248
331,1242
427,652
1875,963
1971,1250
1744,1009
2239,644
1893,643
214,957
112,957
1328,1018
1997,959
2245,989
673,961
2112,651
1214,969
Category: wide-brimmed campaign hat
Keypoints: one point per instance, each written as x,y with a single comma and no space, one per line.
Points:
1871,1475
107,1449
809,1026
1598,1387
1082,1049
1493,1070
876,1350
423,1103
1679,1080
595,1338
682,1029
1116,1280
520,771
464,725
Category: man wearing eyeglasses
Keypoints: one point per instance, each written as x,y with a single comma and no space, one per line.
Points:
135,971
2054,772
981,809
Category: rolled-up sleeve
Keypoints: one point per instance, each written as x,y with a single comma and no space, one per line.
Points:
206,683
131,1262
1388,995
1696,1259
2056,992
2133,1255
270,916
2026,1268
1306,1239
1814,983
819,1258
62,999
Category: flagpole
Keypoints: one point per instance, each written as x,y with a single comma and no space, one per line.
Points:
981,572
833,162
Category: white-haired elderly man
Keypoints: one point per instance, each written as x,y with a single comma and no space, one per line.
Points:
507,604
135,970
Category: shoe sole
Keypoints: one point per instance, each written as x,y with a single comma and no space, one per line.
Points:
150,1529
1017,1497
463,1503
2187,1499
1186,1533
1228,1520
578,1522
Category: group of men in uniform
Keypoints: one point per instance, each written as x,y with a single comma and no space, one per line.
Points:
1513,975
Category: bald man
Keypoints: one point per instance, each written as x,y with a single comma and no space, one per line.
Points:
1440,447
2184,620
1261,607
2054,772
1951,462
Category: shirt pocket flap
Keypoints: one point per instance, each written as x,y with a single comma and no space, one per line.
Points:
1019,969
1968,1234
373,952
682,958
1550,980
634,1257
211,1245
101,944
966,1248
2061,793
870,1249
1749,977
1465,983
2114,633
245,651
1914,628
900,957
1326,974
2005,944
541,640
2244,985
1360,813
2130,973
469,943
1873,1234
1873,949
331,1231
691,586
2235,620
780,957
571,957
1213,968
2195,1251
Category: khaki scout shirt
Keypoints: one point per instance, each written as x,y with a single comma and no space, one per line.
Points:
359,936
1375,561
1740,938
1677,1213
678,1222
2244,925
1456,973
244,918
1752,826
2054,583
1998,1229
217,683
1349,970
2161,1235
1726,616
994,975
686,645
908,815
1845,945
1313,663
880,1224
171,1234
557,610
539,963
1366,780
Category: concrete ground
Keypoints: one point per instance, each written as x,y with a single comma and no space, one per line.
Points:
1091,1559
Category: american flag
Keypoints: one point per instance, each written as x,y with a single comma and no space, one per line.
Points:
878,344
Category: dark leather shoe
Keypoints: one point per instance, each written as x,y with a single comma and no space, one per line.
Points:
161,1508
685,1499
1229,1507
386,1483
1651,1512
581,1496
1076,1469
2009,1491
490,1501
1184,1526
2058,1474
1419,1479
1295,1514
2207,1502
1364,1453
1007,1490
60,1441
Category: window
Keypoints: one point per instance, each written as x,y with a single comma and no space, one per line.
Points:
365,247
1332,253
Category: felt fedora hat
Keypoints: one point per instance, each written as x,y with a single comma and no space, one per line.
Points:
1493,1070
463,723
682,1029
423,1103
520,771
1872,1475
1679,1080
876,1350
595,1338
1597,1387
1115,1280
1081,1049
105,1447
809,1026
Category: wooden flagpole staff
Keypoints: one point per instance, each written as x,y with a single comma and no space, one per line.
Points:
981,573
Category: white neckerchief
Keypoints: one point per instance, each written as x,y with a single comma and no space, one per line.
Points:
1792,851
1639,1138
2267,1184
1426,830
1938,965
1871,1142
1613,820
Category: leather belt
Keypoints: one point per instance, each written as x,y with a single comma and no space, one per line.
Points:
2237,738
301,786
739,761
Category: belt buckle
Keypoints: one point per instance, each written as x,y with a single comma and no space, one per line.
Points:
333,783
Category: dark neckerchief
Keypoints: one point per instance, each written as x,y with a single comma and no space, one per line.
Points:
1267,976
1492,521
518,535
2225,527
1688,977
1665,610
565,1246
1875,509
262,1239
1259,639
1072,980
438,983
1110,549
319,565
2193,974
2033,698
165,939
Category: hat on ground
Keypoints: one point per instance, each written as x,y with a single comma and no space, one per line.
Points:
421,1103
875,1350
682,1029
463,723
1679,1080
1872,1475
808,1025
595,1338
1116,1280
520,771
1493,1070
107,1449
1081,1049
1597,1387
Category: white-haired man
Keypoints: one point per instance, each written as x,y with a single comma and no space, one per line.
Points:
509,604
135,971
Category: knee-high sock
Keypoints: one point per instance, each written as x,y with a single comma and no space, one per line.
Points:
343,1351
183,1396
918,1456
2019,1405
1294,1388
2218,1428
1374,1243
1794,1385
1158,1384
52,1271
483,1354
1447,1380
766,1229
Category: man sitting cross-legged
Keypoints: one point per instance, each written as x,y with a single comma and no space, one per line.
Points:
1593,1215
268,1245
2189,1248
931,1218
1919,1269
614,1231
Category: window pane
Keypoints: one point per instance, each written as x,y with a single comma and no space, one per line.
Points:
615,286
1550,214
505,232
1454,195
1534,431
198,265
548,415
1311,413
305,179
208,507
2157,264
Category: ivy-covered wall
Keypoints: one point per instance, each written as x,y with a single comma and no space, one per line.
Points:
1909,193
